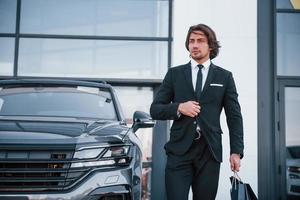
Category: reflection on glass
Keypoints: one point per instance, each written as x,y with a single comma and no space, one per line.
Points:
146,183
292,116
8,16
6,56
288,40
61,102
284,4
132,99
288,4
92,58
95,17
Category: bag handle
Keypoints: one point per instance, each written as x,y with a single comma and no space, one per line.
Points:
234,181
237,176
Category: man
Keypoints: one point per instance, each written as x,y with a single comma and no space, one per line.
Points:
193,95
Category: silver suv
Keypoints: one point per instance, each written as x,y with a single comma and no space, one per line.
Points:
67,139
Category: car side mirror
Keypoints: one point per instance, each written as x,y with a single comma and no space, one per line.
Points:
141,120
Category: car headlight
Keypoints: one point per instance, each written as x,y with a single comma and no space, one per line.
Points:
111,156
88,153
116,151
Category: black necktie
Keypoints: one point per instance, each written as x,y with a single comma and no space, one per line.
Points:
199,81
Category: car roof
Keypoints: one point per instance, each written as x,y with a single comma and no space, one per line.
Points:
54,81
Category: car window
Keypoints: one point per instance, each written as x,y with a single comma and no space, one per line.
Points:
62,101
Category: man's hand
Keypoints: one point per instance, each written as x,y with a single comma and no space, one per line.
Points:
189,108
235,162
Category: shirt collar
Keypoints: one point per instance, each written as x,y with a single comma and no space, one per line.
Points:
206,64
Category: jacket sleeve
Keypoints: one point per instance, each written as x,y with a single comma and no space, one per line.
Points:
234,118
162,107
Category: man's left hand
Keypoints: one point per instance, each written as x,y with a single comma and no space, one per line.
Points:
235,162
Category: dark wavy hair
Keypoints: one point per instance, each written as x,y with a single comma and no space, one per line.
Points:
211,37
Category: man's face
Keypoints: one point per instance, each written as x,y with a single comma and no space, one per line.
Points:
198,46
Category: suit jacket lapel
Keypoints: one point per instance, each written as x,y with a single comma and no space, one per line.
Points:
210,77
188,77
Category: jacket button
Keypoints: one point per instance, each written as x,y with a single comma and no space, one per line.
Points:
195,122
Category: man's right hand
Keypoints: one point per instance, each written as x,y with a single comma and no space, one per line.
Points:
189,108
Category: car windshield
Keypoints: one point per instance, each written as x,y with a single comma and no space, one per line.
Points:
85,102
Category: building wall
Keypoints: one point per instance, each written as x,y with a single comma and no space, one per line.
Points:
235,23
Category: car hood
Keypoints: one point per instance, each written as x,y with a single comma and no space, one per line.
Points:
61,131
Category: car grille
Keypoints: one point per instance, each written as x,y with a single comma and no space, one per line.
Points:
37,170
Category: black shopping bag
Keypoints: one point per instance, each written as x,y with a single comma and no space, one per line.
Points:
240,190
250,193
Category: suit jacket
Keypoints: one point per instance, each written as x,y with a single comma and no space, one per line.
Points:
218,92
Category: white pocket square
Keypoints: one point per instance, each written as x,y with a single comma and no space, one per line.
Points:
215,84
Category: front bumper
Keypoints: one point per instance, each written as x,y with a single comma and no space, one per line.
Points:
121,183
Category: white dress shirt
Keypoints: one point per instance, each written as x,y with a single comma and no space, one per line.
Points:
195,69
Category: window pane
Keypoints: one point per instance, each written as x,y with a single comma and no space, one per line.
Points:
288,4
292,116
95,17
288,40
92,58
6,56
8,16
133,99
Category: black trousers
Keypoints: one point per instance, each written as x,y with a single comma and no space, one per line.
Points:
196,168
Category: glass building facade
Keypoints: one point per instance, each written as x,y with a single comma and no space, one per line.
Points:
279,99
75,38
126,43
288,77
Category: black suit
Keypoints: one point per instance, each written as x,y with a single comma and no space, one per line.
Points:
219,92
